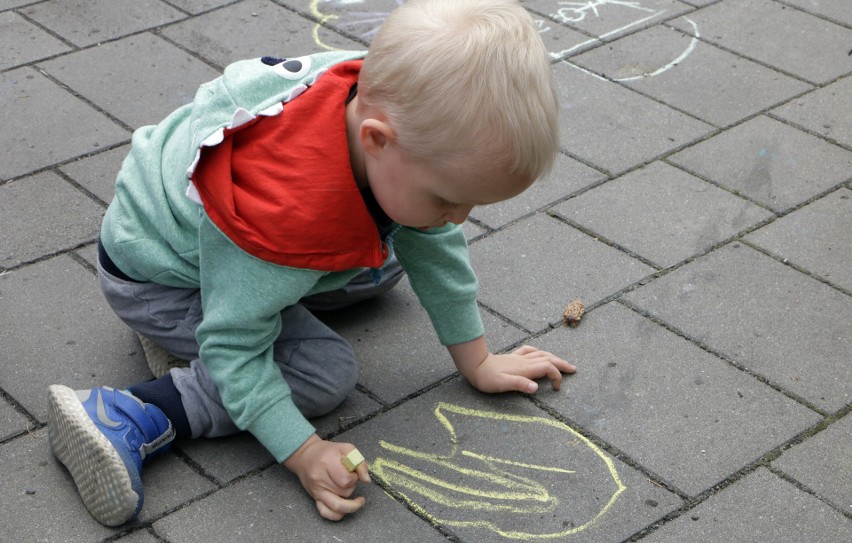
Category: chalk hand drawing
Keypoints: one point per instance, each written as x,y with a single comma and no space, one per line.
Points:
577,12
353,17
504,473
363,24
574,12
542,26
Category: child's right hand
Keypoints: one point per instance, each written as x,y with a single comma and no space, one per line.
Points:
318,464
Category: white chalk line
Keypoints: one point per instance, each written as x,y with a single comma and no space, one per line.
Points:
686,52
600,39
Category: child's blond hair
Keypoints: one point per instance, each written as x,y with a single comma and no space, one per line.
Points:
465,82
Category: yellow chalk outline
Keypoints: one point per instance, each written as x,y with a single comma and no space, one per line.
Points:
521,488
513,463
314,7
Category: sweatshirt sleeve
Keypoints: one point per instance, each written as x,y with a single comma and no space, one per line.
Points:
438,266
242,297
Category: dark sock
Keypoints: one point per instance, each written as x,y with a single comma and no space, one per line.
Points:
162,393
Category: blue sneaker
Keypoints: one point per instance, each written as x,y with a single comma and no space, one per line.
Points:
104,436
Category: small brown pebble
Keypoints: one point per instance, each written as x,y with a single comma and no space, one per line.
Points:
573,313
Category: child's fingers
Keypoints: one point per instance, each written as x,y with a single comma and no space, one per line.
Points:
524,350
521,384
531,353
327,513
553,373
565,366
333,507
363,472
537,370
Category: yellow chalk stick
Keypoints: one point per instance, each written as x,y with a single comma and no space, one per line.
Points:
352,460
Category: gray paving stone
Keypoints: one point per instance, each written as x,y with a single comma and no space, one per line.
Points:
764,30
11,422
220,36
22,42
6,4
55,327
199,6
139,92
271,506
761,507
472,230
495,468
352,410
231,457
141,536
816,238
532,269
169,482
97,173
227,458
397,349
720,419
769,162
613,127
38,117
500,334
606,19
822,463
560,40
40,502
43,214
98,21
836,10
824,111
751,308
711,84
658,202
89,253
568,176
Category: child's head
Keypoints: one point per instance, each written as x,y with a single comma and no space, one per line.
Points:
464,84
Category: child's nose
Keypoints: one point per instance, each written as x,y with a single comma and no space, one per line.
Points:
459,214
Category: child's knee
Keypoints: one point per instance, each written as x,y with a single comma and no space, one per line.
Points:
324,376
342,378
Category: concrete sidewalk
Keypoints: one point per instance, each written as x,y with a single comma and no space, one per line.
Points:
702,210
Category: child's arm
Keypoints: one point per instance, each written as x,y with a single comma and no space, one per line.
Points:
438,267
504,372
318,465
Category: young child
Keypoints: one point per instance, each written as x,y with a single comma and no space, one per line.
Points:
311,181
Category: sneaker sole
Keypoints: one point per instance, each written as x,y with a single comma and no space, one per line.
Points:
160,361
102,479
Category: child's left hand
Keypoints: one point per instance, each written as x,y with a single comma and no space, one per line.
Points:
518,371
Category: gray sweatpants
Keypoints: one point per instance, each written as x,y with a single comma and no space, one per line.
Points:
318,365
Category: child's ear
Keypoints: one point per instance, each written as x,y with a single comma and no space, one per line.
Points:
375,135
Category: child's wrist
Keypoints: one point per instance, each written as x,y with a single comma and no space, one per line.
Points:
295,460
469,356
